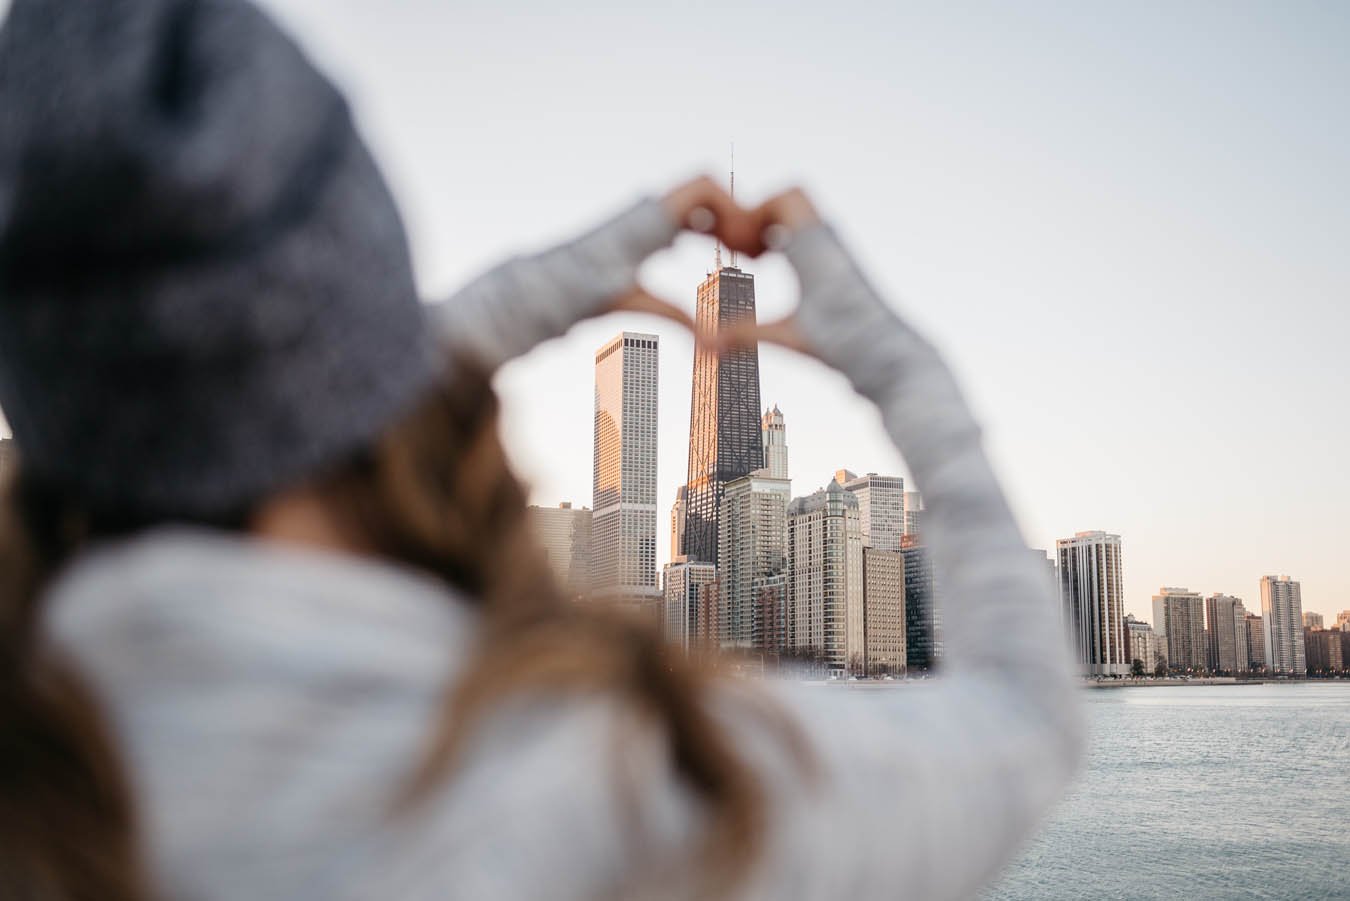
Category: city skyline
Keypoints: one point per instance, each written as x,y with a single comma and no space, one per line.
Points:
1095,209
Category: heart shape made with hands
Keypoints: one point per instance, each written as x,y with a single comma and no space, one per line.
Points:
703,206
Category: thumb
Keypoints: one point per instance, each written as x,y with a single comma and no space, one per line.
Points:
640,300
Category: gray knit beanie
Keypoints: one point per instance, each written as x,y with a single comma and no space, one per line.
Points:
205,287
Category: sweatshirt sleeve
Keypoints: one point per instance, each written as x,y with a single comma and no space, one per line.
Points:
508,310
926,789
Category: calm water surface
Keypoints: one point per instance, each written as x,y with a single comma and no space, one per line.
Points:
1202,792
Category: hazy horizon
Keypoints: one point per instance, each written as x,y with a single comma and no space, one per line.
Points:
1125,226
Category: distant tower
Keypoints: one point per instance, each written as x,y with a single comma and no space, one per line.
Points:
1091,591
623,522
825,582
677,524
881,507
774,432
725,441
1282,622
1226,633
1179,615
752,569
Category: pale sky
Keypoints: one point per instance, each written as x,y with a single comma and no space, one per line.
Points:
1125,224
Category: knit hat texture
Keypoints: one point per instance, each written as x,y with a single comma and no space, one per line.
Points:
205,286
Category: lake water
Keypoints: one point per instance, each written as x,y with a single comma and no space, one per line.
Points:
1202,792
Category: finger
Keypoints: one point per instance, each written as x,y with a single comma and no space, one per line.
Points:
701,205
791,209
640,300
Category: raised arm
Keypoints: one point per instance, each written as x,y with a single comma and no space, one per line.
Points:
927,790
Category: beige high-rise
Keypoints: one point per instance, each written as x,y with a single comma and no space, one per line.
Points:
825,591
623,519
1226,633
884,611
752,552
1180,615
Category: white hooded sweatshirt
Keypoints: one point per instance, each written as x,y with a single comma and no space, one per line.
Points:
271,701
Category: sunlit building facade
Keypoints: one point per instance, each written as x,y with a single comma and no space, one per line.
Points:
623,519
726,439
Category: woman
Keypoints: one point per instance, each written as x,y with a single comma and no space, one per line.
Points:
273,625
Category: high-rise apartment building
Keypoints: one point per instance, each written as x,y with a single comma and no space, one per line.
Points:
752,535
1180,615
825,591
623,519
1313,620
725,436
1091,591
773,431
677,524
1256,643
884,611
565,533
1226,631
1343,620
881,507
689,605
1282,622
913,513
1143,644
1325,650
923,613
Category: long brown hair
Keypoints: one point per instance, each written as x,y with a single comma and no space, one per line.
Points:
435,491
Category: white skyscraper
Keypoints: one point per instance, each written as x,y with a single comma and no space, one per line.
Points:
1091,591
1282,623
881,507
825,582
774,433
1179,616
623,530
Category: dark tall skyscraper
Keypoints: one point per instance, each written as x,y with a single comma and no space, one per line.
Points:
724,414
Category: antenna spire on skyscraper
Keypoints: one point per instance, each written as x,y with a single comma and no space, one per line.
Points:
733,191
